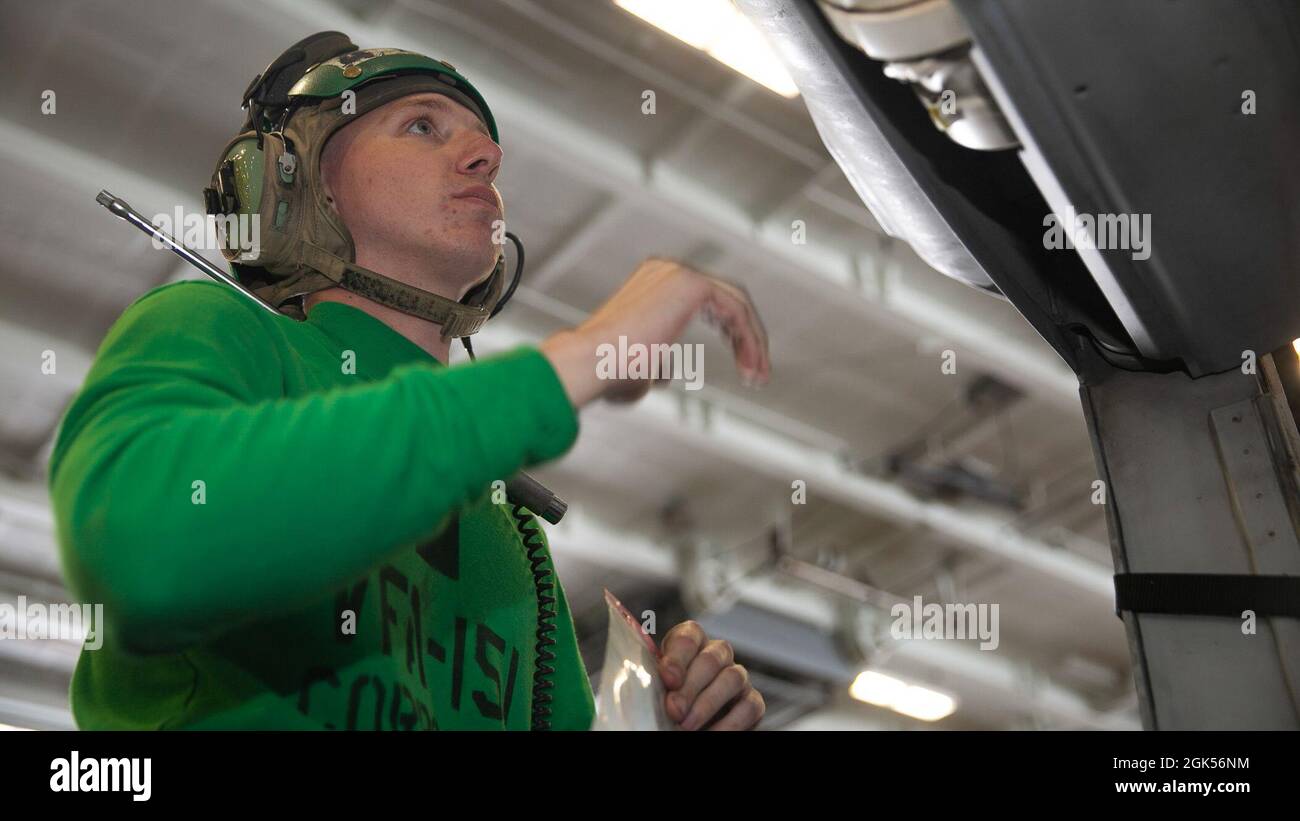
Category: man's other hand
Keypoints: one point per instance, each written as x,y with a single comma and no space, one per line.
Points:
706,689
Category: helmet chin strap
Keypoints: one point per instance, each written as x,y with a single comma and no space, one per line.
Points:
455,318
510,290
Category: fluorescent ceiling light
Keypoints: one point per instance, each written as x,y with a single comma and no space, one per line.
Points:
909,699
718,28
1295,343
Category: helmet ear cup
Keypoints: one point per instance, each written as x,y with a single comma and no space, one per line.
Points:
236,192
223,198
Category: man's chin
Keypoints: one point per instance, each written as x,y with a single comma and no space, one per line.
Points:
487,266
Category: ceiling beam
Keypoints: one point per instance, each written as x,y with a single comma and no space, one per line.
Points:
579,242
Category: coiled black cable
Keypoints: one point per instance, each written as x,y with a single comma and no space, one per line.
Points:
543,579
543,575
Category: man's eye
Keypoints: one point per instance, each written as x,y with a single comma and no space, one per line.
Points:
427,127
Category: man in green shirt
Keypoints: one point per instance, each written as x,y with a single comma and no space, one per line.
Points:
293,521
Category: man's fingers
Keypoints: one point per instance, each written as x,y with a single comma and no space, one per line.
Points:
713,658
730,307
679,646
746,713
726,686
741,294
655,306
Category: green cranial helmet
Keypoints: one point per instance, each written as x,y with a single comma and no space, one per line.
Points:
268,178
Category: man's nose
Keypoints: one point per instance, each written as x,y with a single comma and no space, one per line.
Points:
482,158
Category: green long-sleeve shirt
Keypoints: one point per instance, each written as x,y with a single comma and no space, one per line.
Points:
291,524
